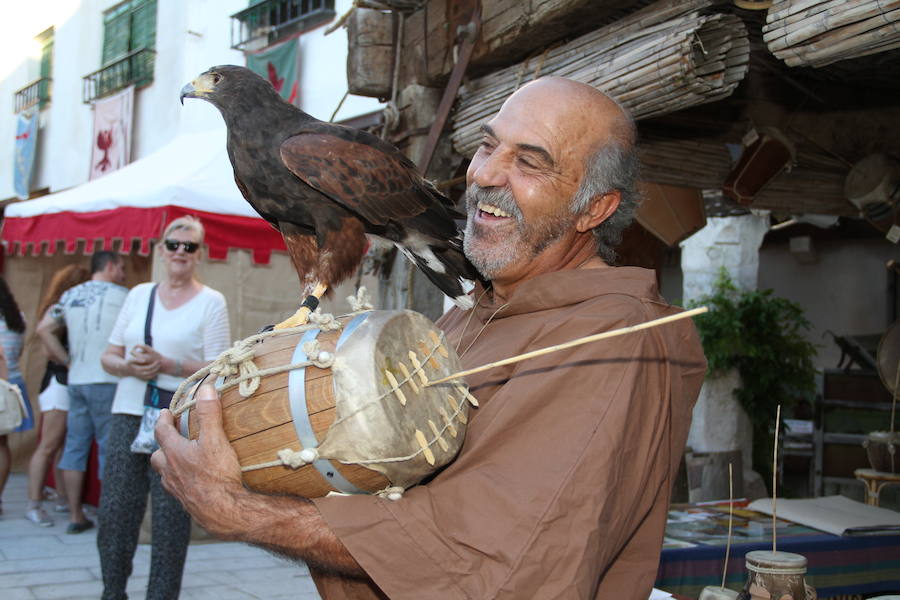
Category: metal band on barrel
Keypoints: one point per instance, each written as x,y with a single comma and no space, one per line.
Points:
302,425
184,424
349,328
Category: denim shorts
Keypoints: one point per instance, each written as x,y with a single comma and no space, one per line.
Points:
90,407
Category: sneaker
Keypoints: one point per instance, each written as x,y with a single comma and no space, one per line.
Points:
39,516
61,508
79,527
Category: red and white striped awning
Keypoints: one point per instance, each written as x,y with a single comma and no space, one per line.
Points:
189,175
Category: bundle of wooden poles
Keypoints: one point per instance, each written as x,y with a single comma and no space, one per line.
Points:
816,33
705,164
664,58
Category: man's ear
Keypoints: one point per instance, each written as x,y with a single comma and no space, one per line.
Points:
601,208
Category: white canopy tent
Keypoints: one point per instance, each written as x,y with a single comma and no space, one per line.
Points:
189,175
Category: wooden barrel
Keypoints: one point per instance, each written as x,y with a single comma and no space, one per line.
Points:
367,415
882,448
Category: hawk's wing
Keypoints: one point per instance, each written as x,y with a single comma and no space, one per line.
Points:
359,171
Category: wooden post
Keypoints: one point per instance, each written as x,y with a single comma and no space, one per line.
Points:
407,286
370,55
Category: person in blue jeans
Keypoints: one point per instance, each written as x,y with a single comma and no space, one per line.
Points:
12,334
87,313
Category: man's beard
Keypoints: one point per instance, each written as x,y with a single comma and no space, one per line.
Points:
489,251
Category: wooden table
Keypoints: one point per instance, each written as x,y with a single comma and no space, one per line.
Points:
875,481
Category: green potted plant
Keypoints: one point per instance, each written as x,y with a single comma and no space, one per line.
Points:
761,336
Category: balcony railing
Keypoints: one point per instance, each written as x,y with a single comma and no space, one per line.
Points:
272,19
36,92
136,68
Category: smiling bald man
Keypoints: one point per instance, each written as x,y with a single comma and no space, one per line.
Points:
562,486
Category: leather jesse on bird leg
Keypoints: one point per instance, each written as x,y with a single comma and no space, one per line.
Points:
302,315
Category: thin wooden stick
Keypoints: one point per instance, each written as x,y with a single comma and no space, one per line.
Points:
775,481
894,401
893,414
730,519
577,342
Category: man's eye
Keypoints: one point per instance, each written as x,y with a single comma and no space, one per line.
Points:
527,163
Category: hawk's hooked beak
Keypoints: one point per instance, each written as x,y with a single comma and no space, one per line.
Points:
187,92
201,87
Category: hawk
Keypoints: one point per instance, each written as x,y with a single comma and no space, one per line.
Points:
325,186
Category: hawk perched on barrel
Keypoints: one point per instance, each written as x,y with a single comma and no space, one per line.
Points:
325,186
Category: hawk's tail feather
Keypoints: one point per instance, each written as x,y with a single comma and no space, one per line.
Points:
445,265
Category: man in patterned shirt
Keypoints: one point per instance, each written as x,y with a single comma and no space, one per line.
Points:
87,312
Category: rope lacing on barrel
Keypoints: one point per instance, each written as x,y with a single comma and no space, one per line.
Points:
360,302
238,360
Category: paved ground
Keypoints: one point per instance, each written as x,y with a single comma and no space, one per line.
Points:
39,563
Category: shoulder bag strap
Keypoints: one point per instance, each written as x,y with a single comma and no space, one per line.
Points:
148,339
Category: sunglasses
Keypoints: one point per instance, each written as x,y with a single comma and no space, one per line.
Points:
189,247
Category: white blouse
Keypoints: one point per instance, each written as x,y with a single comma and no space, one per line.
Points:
196,330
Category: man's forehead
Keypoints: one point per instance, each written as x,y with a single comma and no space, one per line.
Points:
546,117
565,106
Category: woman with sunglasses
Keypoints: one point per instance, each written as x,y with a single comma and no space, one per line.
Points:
189,328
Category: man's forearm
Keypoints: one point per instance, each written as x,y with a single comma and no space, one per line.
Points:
290,526
205,476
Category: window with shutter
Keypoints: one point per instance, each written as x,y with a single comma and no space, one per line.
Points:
129,42
38,92
46,39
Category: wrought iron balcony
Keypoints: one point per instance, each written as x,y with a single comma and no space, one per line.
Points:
136,68
36,92
272,19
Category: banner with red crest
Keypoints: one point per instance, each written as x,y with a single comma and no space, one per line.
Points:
113,118
278,64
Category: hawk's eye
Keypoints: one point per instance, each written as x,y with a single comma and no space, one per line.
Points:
216,78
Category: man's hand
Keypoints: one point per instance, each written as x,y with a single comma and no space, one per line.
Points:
204,474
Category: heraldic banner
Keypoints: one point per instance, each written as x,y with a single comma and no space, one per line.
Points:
26,142
112,133
279,67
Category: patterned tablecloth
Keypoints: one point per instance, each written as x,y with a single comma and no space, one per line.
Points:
693,554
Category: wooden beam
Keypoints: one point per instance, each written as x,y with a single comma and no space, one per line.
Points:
511,30
469,34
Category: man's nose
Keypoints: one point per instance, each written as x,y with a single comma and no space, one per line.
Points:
490,171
